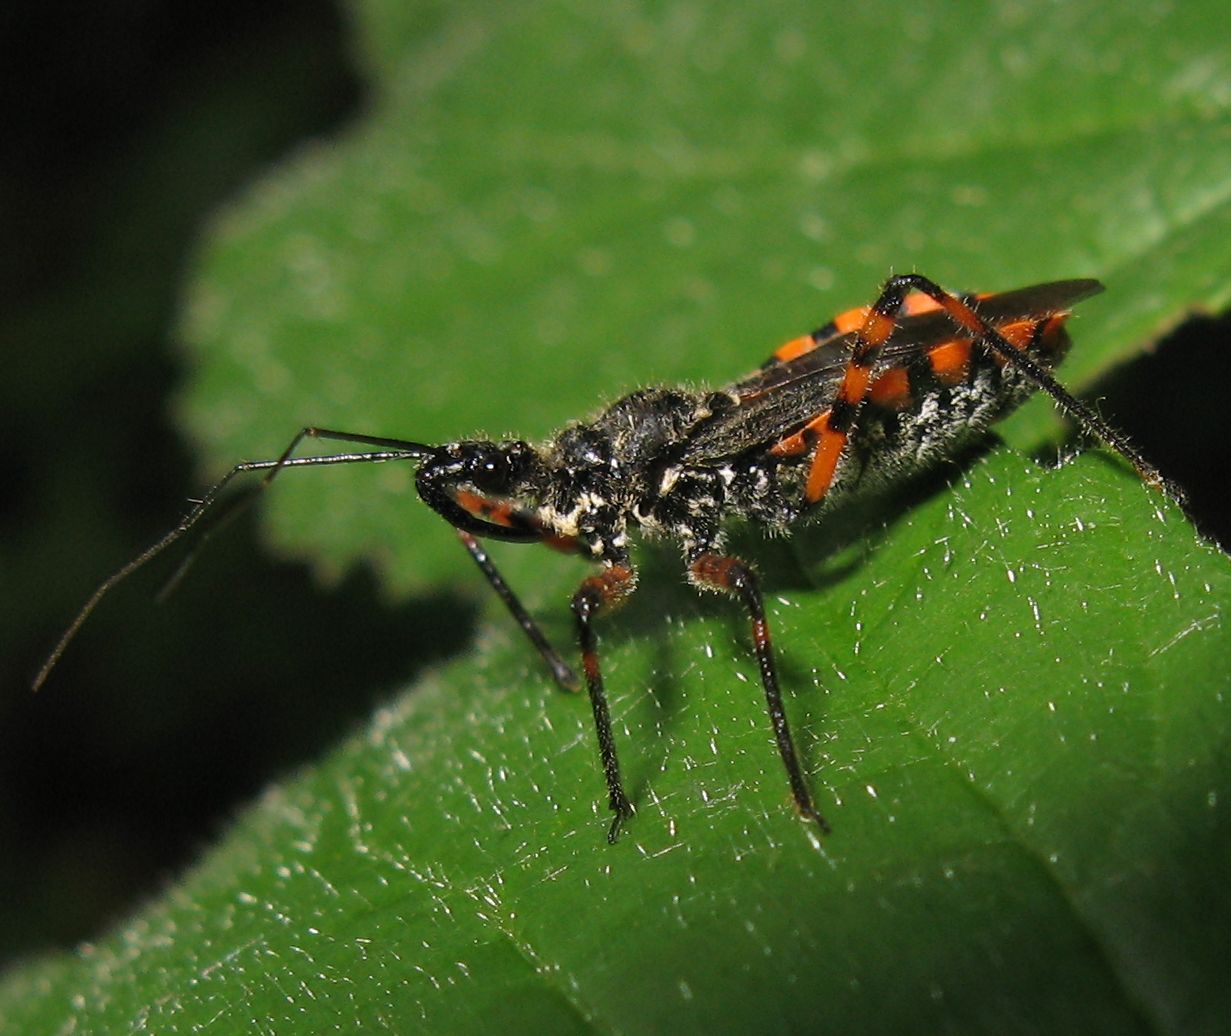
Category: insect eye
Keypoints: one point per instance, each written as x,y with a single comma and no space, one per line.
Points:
490,471
494,469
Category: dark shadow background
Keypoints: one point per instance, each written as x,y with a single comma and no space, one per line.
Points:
124,125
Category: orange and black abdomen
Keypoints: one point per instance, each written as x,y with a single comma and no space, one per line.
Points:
949,363
932,391
886,389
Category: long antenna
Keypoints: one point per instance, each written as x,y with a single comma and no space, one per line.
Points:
392,449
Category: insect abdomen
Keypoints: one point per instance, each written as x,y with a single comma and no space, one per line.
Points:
946,397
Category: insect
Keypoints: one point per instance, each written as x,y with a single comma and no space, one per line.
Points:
875,396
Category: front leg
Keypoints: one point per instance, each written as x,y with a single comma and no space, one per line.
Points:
597,593
560,670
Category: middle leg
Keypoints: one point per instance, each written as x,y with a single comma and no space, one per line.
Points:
732,576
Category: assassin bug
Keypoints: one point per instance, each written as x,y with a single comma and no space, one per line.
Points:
876,395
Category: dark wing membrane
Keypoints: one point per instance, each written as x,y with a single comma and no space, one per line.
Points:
916,334
781,397
773,402
1038,301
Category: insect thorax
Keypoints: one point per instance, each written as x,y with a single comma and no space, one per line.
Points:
602,475
632,466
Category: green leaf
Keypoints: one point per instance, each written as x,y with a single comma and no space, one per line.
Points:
1014,712
1011,694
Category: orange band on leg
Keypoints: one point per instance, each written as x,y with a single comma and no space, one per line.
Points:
824,464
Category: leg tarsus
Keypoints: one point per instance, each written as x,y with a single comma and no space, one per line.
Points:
623,809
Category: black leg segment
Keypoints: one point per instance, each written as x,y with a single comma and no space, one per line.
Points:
732,576
596,593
